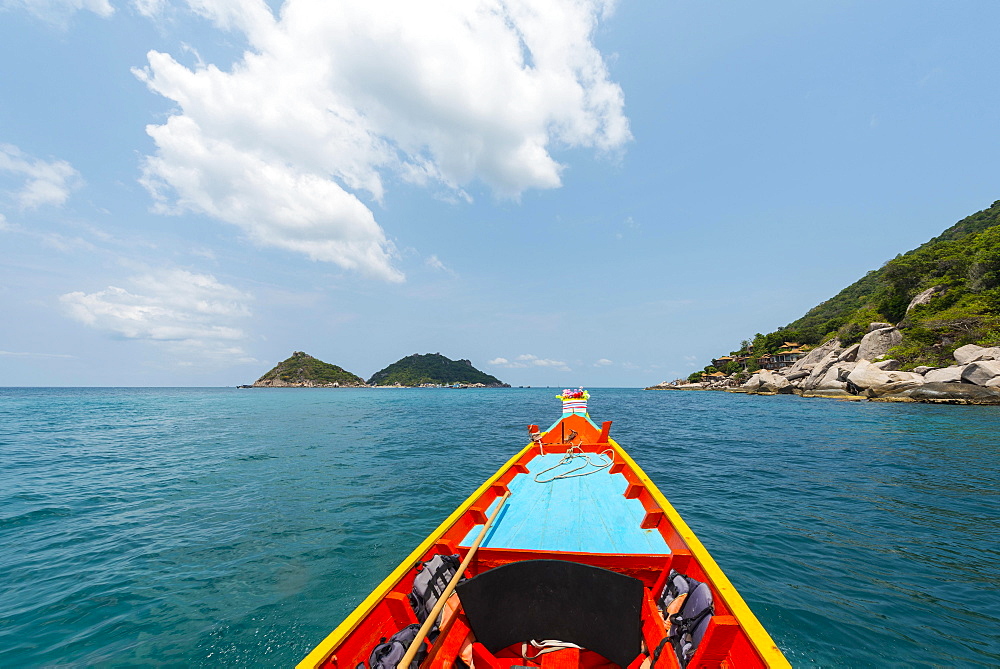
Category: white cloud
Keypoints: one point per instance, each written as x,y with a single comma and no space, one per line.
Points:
64,243
436,263
34,355
149,8
504,362
528,359
558,364
57,11
192,313
276,204
603,362
39,182
333,98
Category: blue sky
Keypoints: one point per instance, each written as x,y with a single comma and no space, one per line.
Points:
571,192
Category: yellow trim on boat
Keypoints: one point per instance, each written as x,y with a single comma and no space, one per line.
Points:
322,651
758,636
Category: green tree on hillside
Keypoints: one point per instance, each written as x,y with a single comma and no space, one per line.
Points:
963,263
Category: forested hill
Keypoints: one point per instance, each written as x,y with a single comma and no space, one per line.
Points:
956,275
434,368
303,370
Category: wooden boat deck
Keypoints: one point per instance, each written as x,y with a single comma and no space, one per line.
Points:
582,514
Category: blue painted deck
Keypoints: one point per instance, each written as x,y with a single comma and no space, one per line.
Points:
586,514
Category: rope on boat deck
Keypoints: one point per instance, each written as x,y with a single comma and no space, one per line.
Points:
577,452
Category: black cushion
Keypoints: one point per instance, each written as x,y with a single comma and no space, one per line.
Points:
597,609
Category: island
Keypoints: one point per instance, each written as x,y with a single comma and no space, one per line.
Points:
302,370
434,370
431,370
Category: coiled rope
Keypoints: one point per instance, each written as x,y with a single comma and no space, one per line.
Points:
577,452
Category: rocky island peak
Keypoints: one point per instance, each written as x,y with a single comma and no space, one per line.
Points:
302,370
434,369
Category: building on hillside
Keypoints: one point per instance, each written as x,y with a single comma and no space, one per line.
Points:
785,356
741,360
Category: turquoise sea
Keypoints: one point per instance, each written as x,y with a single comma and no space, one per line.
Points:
236,528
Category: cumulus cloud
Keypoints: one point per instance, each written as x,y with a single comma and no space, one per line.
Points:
276,204
331,99
193,313
498,361
37,182
603,362
57,11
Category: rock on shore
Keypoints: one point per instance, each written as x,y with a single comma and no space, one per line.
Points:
858,372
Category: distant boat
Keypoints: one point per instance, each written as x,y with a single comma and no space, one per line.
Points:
573,558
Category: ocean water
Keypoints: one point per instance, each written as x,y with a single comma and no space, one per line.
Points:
224,527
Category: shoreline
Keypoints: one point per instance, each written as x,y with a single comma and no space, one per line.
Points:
862,372
366,387
847,397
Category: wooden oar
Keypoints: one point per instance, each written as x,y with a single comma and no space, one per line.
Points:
411,652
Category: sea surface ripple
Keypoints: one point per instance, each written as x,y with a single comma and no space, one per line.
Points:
197,527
